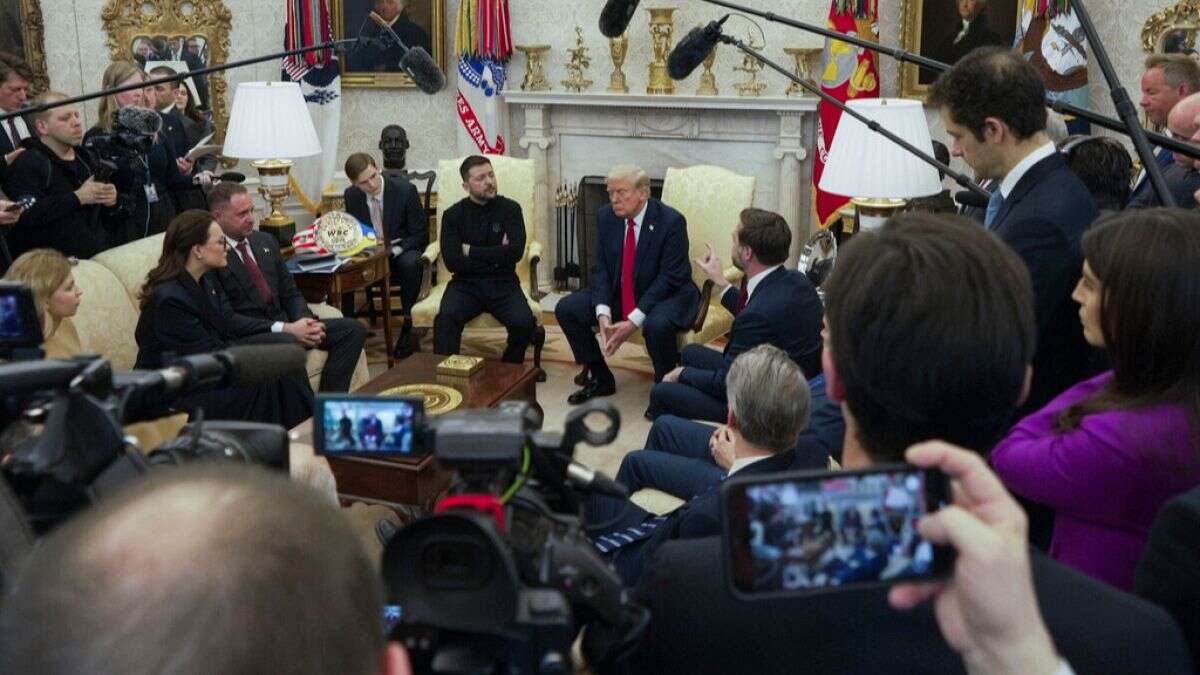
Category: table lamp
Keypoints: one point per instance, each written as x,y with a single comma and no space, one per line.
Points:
878,175
270,124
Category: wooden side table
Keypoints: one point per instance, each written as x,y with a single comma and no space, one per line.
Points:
357,274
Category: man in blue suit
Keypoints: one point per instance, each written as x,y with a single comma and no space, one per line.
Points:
992,104
777,306
1168,78
641,278
768,406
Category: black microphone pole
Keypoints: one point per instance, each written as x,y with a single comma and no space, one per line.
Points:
332,44
1172,144
959,178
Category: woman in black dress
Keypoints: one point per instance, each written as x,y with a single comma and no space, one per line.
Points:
184,311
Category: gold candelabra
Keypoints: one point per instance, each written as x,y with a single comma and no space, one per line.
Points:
535,71
578,65
708,80
661,28
618,47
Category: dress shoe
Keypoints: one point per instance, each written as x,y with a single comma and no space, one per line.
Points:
385,530
404,347
590,390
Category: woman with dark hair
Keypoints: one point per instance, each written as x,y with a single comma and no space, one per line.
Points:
1107,453
184,311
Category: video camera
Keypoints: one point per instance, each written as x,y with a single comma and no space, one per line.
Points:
62,445
502,578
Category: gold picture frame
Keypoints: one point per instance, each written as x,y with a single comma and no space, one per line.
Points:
23,33
927,26
1183,17
360,66
206,22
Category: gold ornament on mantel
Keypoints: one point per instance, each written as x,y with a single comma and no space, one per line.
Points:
578,65
752,86
708,80
618,47
802,67
662,26
535,71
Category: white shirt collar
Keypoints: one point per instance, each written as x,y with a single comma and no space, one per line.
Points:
739,464
637,220
166,110
752,282
233,243
1010,181
382,187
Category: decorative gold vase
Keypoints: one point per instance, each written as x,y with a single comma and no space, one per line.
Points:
618,47
802,67
708,80
535,71
662,27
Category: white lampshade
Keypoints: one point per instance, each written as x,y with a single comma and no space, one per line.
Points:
270,121
864,164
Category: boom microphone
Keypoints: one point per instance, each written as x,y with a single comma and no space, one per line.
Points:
143,121
693,49
615,17
416,62
968,198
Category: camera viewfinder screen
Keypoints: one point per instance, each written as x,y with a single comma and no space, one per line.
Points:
829,531
19,325
12,323
370,426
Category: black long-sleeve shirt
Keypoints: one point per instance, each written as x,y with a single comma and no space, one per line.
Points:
495,232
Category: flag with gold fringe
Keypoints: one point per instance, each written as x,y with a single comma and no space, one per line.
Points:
308,24
1051,38
483,43
847,72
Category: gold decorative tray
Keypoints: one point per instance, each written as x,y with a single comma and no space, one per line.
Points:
438,398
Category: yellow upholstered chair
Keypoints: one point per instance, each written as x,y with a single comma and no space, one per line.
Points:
515,180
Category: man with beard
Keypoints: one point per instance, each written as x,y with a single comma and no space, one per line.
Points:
483,239
778,307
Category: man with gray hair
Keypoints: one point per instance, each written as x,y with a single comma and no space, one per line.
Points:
1168,78
200,569
1182,178
768,406
640,278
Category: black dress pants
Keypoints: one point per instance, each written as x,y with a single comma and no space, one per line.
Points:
466,299
406,275
344,340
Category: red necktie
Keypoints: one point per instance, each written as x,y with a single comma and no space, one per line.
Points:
256,274
743,298
628,303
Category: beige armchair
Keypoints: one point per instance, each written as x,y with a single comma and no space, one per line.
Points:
515,180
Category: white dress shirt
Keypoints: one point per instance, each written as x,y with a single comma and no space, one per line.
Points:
1010,181
739,464
966,26
18,122
636,316
752,282
276,327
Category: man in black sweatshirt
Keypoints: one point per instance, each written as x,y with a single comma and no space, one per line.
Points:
483,239
58,172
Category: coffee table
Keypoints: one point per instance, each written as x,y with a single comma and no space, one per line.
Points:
406,482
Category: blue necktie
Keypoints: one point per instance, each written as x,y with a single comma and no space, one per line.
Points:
993,208
615,540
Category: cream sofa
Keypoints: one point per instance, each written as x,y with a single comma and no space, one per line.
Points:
108,312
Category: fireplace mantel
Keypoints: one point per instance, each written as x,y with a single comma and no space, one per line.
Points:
571,135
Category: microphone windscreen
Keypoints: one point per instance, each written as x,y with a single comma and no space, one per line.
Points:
255,364
424,72
139,120
689,53
232,177
615,17
968,198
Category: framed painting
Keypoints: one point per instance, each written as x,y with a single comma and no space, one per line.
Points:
945,30
22,33
376,62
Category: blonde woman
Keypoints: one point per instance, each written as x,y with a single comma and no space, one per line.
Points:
48,274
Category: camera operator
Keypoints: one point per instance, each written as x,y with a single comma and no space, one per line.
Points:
59,174
146,166
200,569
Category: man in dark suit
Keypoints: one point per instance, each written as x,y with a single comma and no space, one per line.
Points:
393,208
992,104
259,286
768,406
941,360
1167,79
777,306
1169,573
161,97
15,77
640,278
1181,176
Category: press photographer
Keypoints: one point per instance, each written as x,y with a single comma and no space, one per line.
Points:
146,168
60,174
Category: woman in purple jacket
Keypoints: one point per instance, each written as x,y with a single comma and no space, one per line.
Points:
1107,453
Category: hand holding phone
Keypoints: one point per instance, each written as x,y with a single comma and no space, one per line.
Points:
987,611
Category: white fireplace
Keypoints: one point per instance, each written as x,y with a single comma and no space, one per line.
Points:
571,135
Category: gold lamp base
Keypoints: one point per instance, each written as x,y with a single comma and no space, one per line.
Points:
273,186
871,213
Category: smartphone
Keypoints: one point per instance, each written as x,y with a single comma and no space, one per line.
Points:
357,425
391,618
818,531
